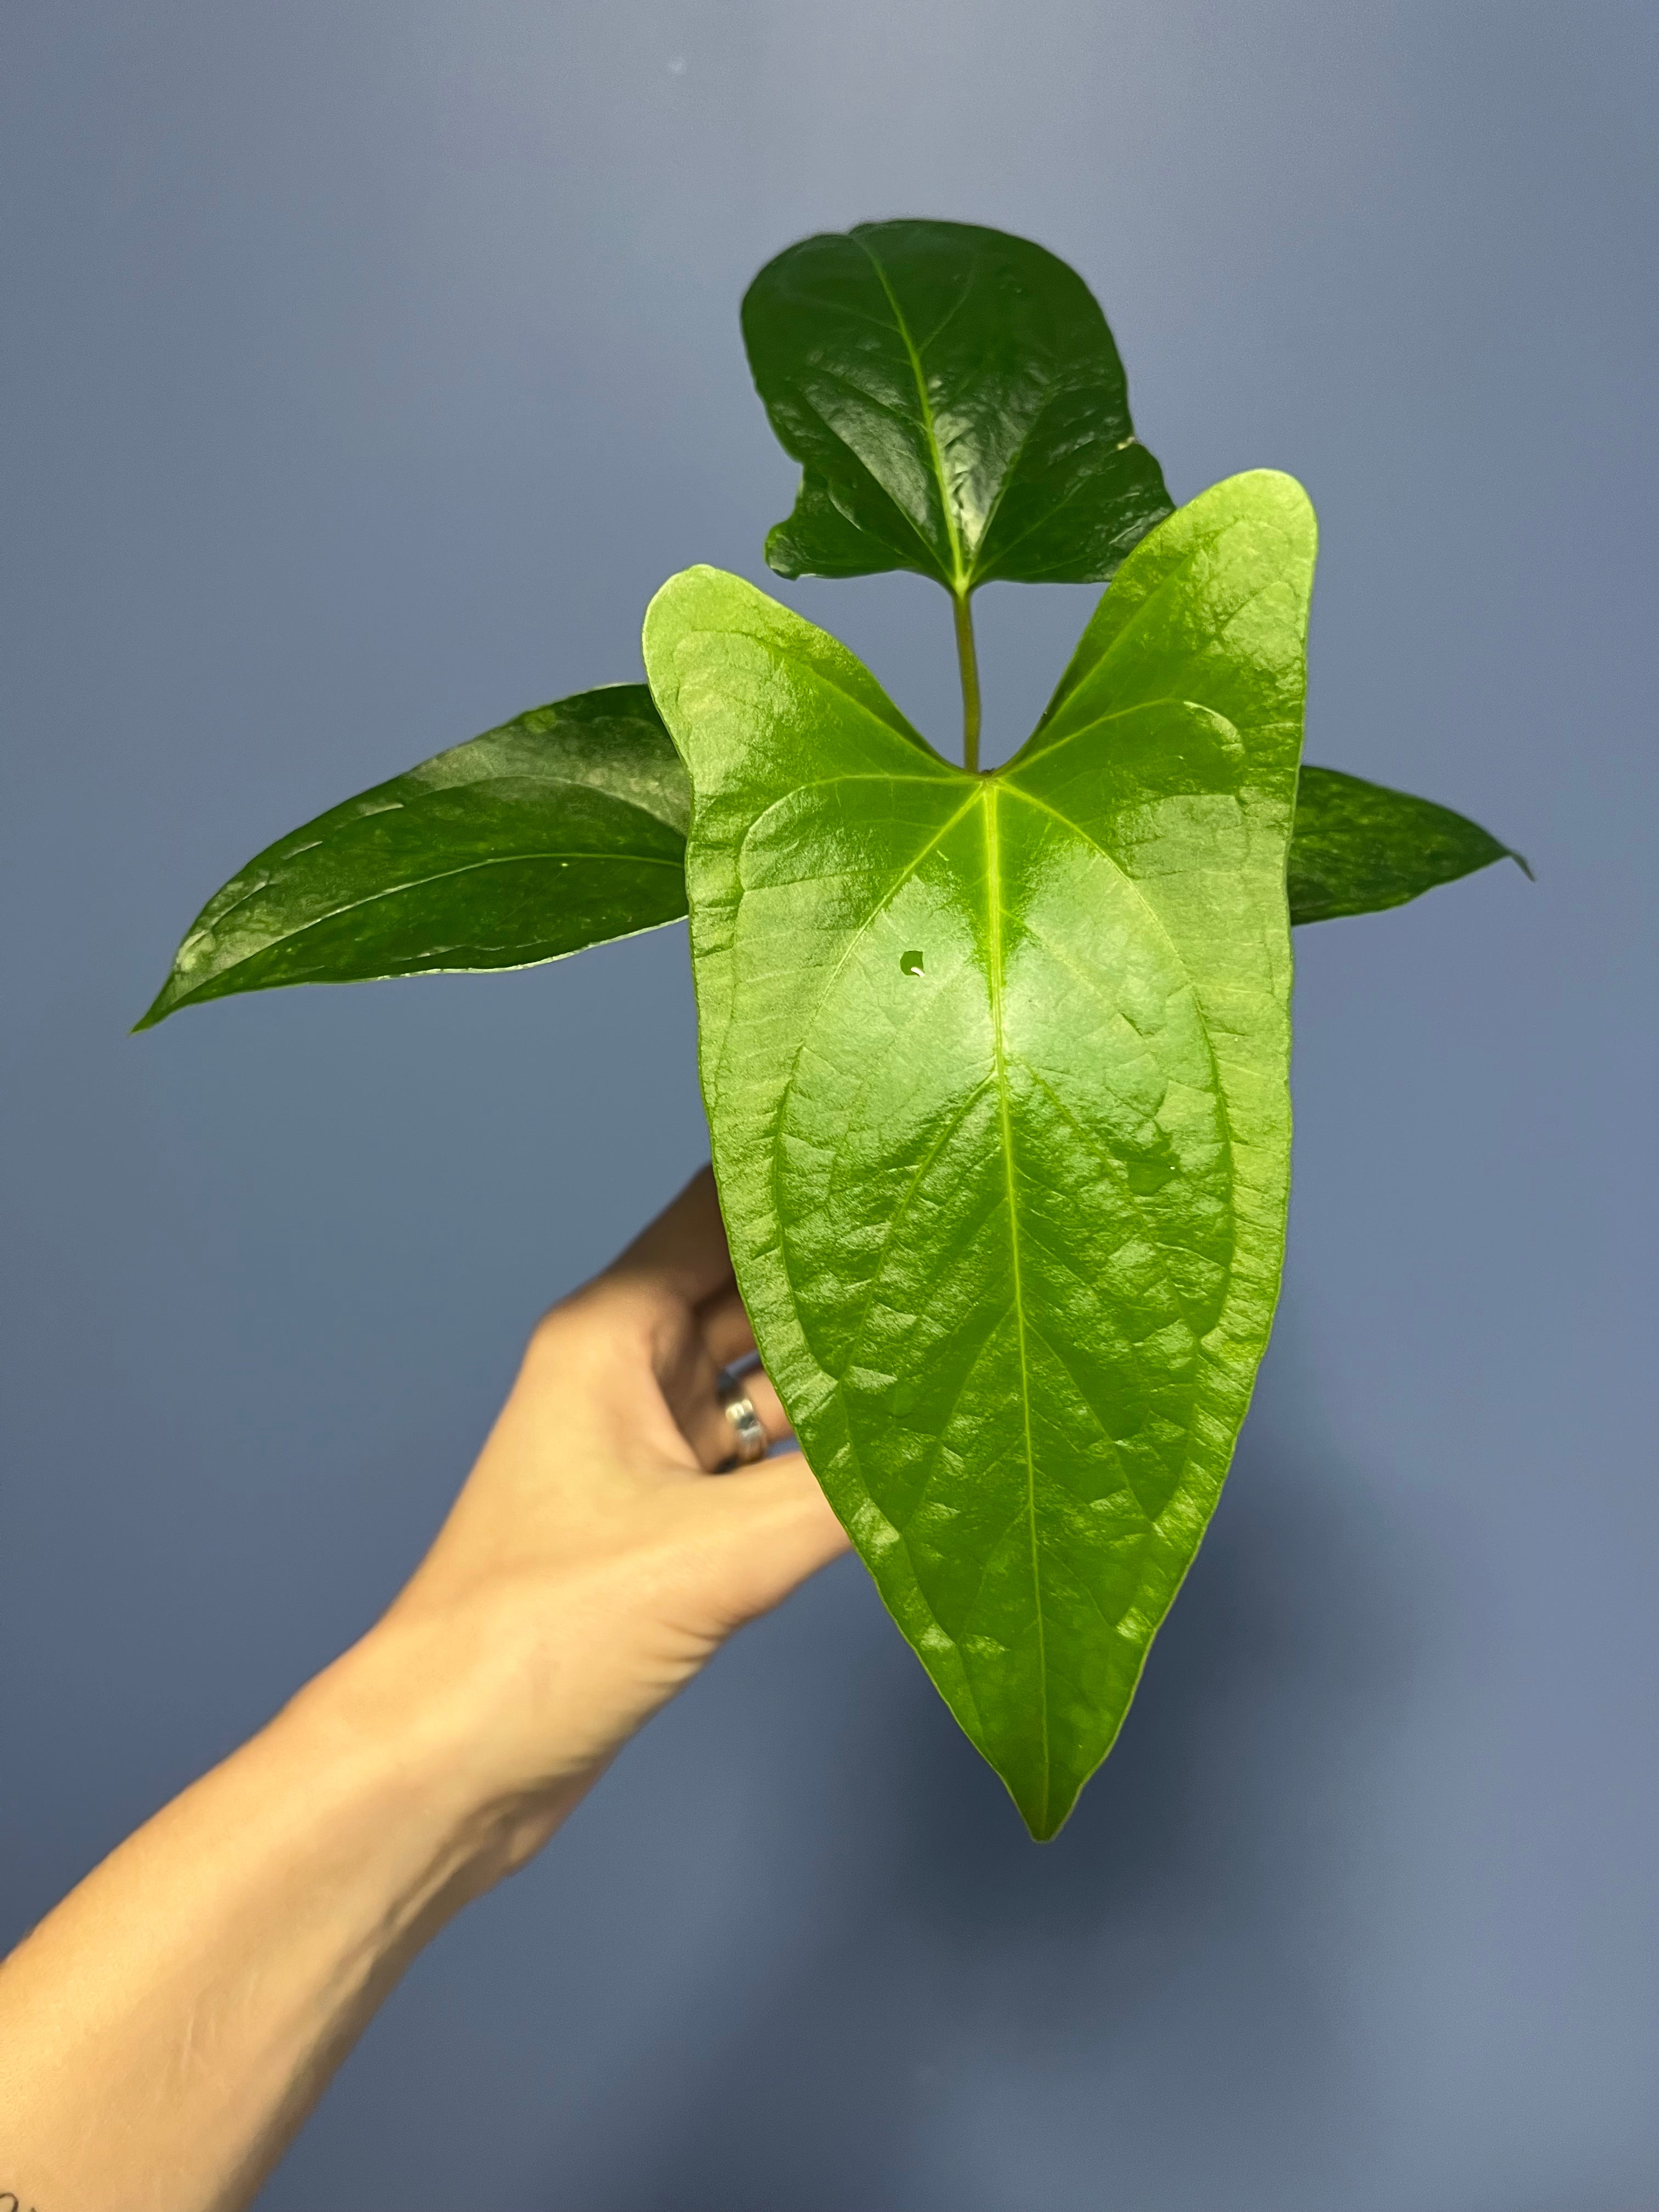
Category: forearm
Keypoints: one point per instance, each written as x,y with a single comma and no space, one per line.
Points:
168,2029
165,2030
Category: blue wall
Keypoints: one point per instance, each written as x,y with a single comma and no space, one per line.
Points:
369,363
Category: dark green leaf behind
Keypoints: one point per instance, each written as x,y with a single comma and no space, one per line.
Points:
1359,847
560,829
564,829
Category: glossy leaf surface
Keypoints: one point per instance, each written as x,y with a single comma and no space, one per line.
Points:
339,902
997,1073
559,829
1359,847
958,405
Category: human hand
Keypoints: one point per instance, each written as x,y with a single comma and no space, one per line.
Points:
593,1562
590,1565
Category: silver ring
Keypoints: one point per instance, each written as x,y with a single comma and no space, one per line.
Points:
747,1426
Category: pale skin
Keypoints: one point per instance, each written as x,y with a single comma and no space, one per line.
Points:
167,2029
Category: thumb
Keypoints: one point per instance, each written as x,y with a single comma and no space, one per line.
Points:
772,1527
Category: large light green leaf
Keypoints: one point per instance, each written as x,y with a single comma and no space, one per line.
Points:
1359,847
555,832
997,1073
957,406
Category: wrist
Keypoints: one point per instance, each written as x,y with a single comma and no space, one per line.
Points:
412,1714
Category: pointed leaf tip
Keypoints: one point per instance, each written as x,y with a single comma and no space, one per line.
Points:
1361,847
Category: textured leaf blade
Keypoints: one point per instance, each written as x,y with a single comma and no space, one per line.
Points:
956,402
1359,847
557,830
997,1074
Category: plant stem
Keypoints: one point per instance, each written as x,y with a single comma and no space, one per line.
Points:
968,661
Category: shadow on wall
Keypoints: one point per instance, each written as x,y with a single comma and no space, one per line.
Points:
1156,1995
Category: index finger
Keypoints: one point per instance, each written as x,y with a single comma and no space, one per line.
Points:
683,1250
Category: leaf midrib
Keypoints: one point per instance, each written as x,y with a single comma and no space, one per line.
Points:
280,856
958,576
992,801
418,882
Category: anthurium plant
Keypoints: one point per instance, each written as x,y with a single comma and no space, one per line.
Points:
996,1063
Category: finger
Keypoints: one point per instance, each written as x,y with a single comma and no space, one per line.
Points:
780,1529
708,1428
756,1387
730,1340
724,1320
683,1249
696,1392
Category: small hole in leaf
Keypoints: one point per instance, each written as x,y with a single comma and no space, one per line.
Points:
911,963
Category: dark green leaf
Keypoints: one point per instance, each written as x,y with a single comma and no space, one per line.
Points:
997,1073
957,406
1359,847
553,832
